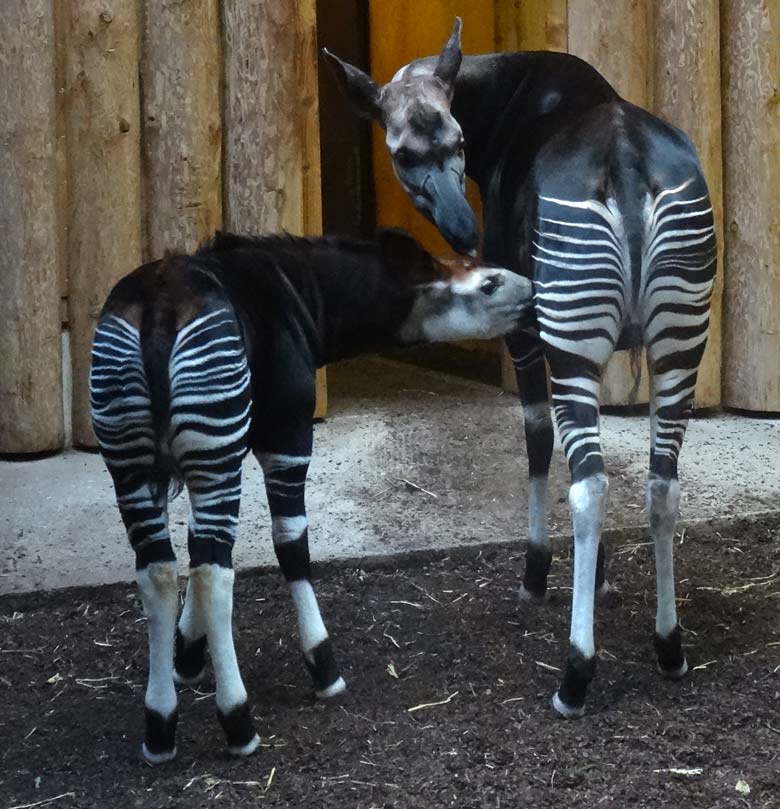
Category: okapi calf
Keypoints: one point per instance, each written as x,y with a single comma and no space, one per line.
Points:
198,359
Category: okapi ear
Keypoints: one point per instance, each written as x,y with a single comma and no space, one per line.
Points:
449,59
403,255
359,88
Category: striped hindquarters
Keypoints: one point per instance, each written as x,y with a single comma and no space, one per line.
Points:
122,419
209,420
678,270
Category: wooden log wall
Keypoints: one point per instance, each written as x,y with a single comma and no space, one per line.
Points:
751,156
272,157
181,75
688,95
103,130
30,350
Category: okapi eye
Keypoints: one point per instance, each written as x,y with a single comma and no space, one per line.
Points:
491,284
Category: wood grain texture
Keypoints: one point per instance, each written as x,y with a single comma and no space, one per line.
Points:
271,167
617,39
751,159
400,32
104,173
30,349
181,74
687,94
531,25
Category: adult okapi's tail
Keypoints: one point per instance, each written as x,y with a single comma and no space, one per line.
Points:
158,333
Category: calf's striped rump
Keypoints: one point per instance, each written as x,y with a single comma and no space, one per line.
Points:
186,415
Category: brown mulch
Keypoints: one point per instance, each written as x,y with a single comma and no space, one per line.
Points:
449,631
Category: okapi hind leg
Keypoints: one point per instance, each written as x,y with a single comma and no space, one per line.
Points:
672,399
575,399
146,521
527,356
285,481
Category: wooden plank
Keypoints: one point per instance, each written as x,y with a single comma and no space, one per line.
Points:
104,173
531,25
687,94
528,25
616,38
30,347
400,32
271,179
182,123
751,158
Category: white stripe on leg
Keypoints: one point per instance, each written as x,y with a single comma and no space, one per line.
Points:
159,592
663,501
310,626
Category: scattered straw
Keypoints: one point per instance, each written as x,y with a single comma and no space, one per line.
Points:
432,704
44,802
417,488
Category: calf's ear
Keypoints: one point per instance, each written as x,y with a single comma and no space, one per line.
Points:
403,255
360,89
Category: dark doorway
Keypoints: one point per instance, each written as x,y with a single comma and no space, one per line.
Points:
345,140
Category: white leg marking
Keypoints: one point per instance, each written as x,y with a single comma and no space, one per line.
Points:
310,626
288,529
588,500
214,586
663,501
159,592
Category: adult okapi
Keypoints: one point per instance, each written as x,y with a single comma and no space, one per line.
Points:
198,359
606,208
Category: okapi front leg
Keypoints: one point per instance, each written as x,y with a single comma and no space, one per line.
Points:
527,355
285,481
190,651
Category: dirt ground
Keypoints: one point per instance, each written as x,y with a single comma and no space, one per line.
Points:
448,631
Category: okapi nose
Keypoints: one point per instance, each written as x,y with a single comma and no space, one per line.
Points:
491,284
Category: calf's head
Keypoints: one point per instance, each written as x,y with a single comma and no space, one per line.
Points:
424,140
455,299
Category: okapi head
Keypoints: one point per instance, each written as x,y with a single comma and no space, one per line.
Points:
452,299
425,141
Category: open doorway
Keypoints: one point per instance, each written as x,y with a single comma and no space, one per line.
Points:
358,190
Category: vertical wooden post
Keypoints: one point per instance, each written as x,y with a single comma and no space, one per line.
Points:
751,163
528,25
271,179
104,173
616,38
30,347
687,94
181,73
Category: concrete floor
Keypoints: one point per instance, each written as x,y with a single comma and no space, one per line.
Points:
388,423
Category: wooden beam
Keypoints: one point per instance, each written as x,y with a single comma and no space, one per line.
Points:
687,94
271,178
30,334
751,162
617,39
182,123
104,174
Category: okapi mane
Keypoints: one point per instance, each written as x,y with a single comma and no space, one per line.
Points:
285,243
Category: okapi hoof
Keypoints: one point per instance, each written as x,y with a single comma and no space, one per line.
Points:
530,597
567,711
246,749
189,660
160,739
321,663
332,691
239,728
671,658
